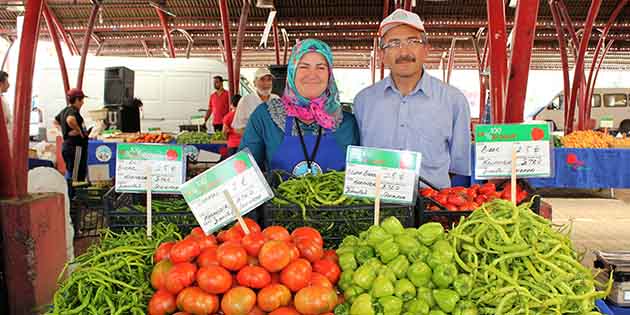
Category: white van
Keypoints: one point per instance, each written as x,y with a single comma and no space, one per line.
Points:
607,103
172,90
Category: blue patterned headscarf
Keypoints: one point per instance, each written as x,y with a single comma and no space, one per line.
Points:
322,109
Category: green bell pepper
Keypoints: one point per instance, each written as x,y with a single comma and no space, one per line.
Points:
345,281
436,312
344,249
419,274
363,253
391,305
382,287
443,251
417,307
444,275
374,263
342,309
463,285
347,262
362,305
430,232
465,308
446,299
352,293
387,250
408,245
364,276
399,266
413,232
387,273
363,235
349,240
405,290
426,295
377,235
392,226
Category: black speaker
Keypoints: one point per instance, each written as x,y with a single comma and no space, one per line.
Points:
119,83
280,78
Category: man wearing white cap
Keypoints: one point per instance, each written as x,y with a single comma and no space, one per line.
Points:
263,80
411,110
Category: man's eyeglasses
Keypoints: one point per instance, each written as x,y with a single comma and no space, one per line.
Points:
397,43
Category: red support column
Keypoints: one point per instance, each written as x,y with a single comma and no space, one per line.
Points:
398,4
240,40
385,14
564,58
73,43
55,39
225,21
7,180
167,32
524,33
276,40
451,61
6,54
373,60
86,43
23,89
66,36
497,36
407,5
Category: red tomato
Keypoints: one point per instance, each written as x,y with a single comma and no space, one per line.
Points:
253,242
315,300
307,232
231,256
273,296
238,301
184,251
275,278
208,257
162,303
182,275
286,310
251,225
310,249
182,313
253,277
319,280
159,273
274,256
277,233
231,234
197,233
214,279
256,311
297,274
331,255
162,251
196,301
252,261
294,252
206,242
329,269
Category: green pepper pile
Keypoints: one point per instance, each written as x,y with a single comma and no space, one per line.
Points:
391,270
218,136
520,264
113,276
190,137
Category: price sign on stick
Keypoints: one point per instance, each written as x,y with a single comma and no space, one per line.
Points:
236,184
493,150
167,163
398,172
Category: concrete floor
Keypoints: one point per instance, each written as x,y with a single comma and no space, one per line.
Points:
598,224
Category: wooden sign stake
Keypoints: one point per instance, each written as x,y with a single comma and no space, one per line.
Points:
149,200
377,200
513,178
237,212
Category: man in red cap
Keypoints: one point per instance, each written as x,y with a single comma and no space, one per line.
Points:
70,121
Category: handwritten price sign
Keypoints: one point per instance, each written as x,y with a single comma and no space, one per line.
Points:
493,147
165,162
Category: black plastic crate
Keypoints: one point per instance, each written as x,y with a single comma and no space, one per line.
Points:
127,211
87,211
334,222
451,218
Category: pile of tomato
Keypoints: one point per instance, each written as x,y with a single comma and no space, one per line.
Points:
268,271
468,199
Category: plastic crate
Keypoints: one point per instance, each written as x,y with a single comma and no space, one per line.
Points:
451,218
87,211
334,222
127,211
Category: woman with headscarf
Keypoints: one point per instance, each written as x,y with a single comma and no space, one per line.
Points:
306,130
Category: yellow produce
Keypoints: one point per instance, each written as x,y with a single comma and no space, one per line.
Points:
587,139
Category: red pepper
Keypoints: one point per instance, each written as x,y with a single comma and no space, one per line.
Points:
456,200
487,188
441,198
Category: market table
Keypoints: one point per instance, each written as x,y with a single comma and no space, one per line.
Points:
104,153
33,163
610,309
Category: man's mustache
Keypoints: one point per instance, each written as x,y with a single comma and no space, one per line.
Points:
406,58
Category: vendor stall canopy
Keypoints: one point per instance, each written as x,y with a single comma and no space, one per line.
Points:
127,27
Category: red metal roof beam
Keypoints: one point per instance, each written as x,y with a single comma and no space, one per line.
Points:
240,42
225,21
86,42
497,36
167,33
55,39
72,48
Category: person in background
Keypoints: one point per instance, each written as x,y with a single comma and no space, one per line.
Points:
4,87
131,123
233,137
263,80
219,104
70,121
410,109
305,132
